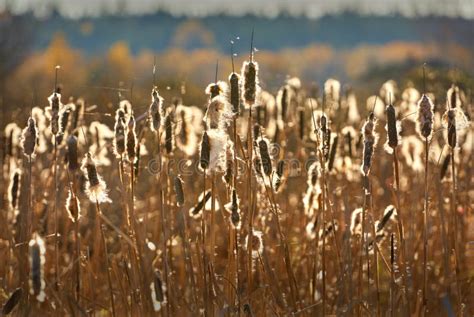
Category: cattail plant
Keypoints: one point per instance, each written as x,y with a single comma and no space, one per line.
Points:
131,141
234,210
250,82
73,208
155,112
203,199
37,261
14,188
265,156
178,188
278,176
425,129
205,153
234,96
96,190
29,138
370,142
119,133
158,291
12,301
71,153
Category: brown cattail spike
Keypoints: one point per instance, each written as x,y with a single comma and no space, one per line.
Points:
250,75
178,188
14,190
71,153
392,133
370,140
332,153
131,140
37,260
29,137
205,152
425,117
234,81
12,301
444,166
119,133
265,157
204,197
155,110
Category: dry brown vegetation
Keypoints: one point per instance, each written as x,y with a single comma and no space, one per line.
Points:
285,204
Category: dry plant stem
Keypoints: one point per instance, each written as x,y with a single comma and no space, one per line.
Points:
362,252
165,252
212,224
250,203
425,232
106,254
78,265
455,220
135,233
392,276
376,260
188,258
283,244
55,211
401,234
204,253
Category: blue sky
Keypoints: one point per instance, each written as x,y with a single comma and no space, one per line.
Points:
310,8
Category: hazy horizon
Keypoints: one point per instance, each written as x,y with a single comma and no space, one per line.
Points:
268,8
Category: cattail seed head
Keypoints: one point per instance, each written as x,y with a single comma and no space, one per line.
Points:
283,101
216,89
332,152
257,243
63,122
12,301
73,207
370,141
234,80
444,166
302,121
119,133
95,187
265,156
55,105
425,117
155,111
450,116
205,151
71,153
314,171
178,188
234,210
37,259
278,177
229,169
250,84
131,140
29,138
203,198
14,188
218,113
158,291
391,127
389,213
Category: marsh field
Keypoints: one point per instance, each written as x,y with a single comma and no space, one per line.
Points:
239,189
